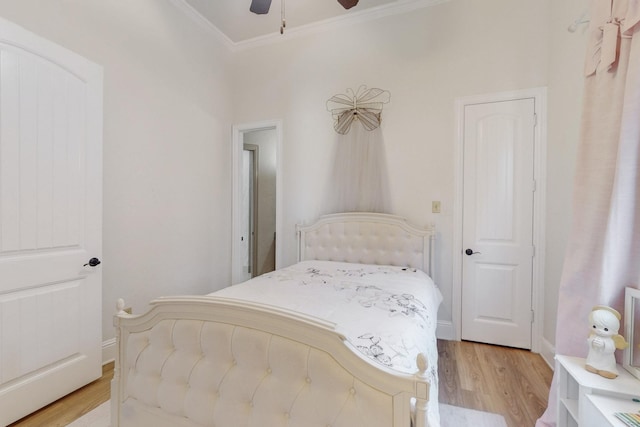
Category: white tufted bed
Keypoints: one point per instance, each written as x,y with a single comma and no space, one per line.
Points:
345,337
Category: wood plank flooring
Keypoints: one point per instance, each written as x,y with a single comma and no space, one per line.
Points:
513,383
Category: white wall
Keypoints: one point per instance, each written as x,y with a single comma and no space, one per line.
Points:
425,59
167,125
168,117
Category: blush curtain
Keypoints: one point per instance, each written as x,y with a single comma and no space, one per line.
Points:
359,181
603,251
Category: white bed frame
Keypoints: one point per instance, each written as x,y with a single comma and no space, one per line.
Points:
209,361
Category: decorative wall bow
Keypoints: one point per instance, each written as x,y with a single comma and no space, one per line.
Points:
610,21
364,105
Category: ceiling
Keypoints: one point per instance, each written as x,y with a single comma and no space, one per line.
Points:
238,24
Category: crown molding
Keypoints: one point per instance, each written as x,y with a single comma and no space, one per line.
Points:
366,15
203,22
370,14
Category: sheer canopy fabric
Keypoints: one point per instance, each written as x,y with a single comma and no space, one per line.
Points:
604,243
359,180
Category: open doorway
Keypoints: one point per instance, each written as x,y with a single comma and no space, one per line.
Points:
256,199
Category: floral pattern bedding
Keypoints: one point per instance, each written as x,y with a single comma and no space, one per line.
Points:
388,313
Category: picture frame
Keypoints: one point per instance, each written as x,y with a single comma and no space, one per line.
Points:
631,354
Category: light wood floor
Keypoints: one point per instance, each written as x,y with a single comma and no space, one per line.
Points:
513,383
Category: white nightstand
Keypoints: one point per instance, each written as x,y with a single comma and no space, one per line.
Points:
589,400
599,410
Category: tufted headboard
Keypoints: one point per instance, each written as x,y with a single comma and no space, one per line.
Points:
367,238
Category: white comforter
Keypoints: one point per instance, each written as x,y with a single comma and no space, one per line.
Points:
388,313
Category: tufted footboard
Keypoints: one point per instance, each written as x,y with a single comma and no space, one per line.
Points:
210,361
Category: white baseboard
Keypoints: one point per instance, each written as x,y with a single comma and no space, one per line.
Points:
445,330
108,351
548,353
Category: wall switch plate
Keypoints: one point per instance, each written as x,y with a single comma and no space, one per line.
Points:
435,206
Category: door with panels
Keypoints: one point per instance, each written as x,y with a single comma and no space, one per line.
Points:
497,236
50,222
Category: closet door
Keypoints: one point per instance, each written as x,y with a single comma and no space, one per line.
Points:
498,188
50,222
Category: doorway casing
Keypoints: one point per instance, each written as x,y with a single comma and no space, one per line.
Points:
236,199
540,140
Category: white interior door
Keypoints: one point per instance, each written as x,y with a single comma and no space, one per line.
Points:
249,206
50,222
267,136
498,250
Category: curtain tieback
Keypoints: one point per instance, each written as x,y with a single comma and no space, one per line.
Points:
610,45
606,46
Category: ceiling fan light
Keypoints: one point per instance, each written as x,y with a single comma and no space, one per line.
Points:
348,4
260,7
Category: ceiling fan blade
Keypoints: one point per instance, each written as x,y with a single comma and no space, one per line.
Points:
348,4
261,7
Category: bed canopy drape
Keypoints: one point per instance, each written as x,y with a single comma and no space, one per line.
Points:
358,180
604,244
